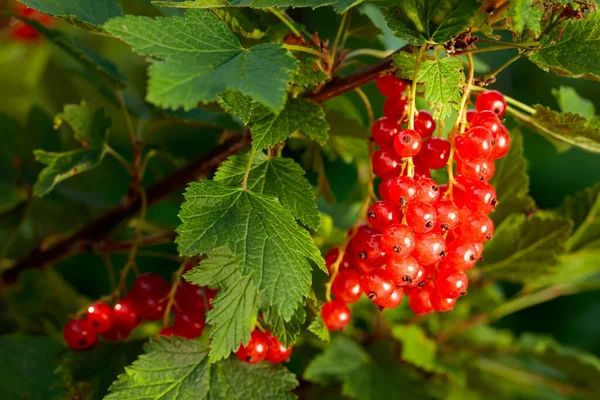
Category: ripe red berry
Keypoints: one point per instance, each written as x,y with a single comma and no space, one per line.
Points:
382,214
256,349
451,283
429,248
439,303
336,315
479,169
383,132
407,143
421,171
477,228
192,298
395,108
461,255
480,197
403,271
435,153
390,302
424,123
447,214
100,316
390,85
429,191
116,333
386,164
397,240
477,142
488,120
501,143
331,258
403,190
367,247
167,331
126,314
491,100
189,324
346,286
419,301
79,334
469,116
151,308
149,285
277,353
377,283
421,217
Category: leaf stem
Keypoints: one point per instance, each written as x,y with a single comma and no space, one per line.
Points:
118,157
248,168
308,50
171,296
521,45
367,103
492,75
286,21
509,100
369,52
338,36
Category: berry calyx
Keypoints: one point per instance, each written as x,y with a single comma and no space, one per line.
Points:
403,271
421,217
100,316
336,315
397,240
346,286
256,349
407,143
491,100
382,214
79,334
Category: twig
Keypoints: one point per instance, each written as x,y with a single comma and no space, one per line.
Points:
171,296
286,21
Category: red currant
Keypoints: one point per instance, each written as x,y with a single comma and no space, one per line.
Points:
383,132
383,214
421,217
429,190
149,285
189,324
256,349
461,255
435,153
79,334
424,123
397,240
367,247
469,116
488,120
440,303
447,214
491,100
403,190
191,297
429,249
101,317
377,284
336,315
481,169
277,353
451,283
151,308
407,143
403,271
331,258
390,302
480,197
477,228
126,314
384,189
390,85
419,301
501,143
346,286
167,331
386,164
116,333
395,108
477,143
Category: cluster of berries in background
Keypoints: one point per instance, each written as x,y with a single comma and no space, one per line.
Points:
19,30
421,236
263,346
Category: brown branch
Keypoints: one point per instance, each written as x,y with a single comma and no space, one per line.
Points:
108,246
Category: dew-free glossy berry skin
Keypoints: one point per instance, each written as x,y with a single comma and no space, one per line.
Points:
331,258
189,324
424,123
382,214
336,315
151,308
461,255
478,169
191,297
256,349
390,85
439,303
346,286
126,314
384,189
403,271
477,143
491,100
149,285
167,331
469,116
386,164
377,284
407,143
421,171
277,353
390,302
480,197
403,190
100,316
421,217
116,333
367,247
79,334
397,240
447,215
383,132
429,191
488,120
435,153
396,109
419,301
501,143
451,283
429,248
477,228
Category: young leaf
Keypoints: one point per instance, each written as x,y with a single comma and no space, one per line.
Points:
237,104
89,14
240,21
570,101
89,122
525,14
443,79
405,62
298,115
310,73
262,235
572,48
280,177
417,348
318,327
430,21
174,367
584,210
286,332
200,65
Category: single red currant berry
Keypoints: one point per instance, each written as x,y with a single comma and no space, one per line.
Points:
346,286
362,266
331,257
461,255
189,324
447,215
403,190
256,349
367,247
100,316
192,298
382,214
424,123
397,240
395,108
429,248
477,143
429,191
383,132
435,153
390,302
480,197
386,164
384,189
79,334
277,352
479,251
421,171
126,314
116,333
488,120
478,169
149,285
439,303
469,115
421,217
478,228
403,271
407,143
151,308
390,85
419,301
501,143
491,100
377,283
451,283
167,331
336,315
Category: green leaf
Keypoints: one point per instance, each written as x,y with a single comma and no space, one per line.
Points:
584,210
568,127
89,122
198,66
240,21
218,271
525,14
541,240
318,327
342,125
443,79
511,181
174,367
570,101
576,272
251,3
572,48
298,115
310,73
192,3
262,235
237,104
286,332
11,197
417,348
341,357
405,62
87,14
430,21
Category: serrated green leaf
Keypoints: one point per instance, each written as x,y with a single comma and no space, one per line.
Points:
285,332
430,21
310,73
89,122
570,101
263,236
237,104
174,367
198,66
541,240
576,272
443,80
249,3
568,127
584,210
298,115
572,48
511,181
218,271
192,3
405,63
240,21
417,348
342,125
525,14
89,14
341,357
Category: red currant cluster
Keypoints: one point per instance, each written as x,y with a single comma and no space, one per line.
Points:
422,236
19,30
263,346
147,300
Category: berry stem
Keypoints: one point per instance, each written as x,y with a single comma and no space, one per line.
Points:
126,164
336,41
368,52
286,21
136,147
308,50
413,89
171,296
492,75
248,168
367,103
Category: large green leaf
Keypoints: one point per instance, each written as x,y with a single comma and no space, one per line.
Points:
443,78
254,3
584,209
286,332
417,348
570,101
237,104
525,14
199,65
85,13
176,368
